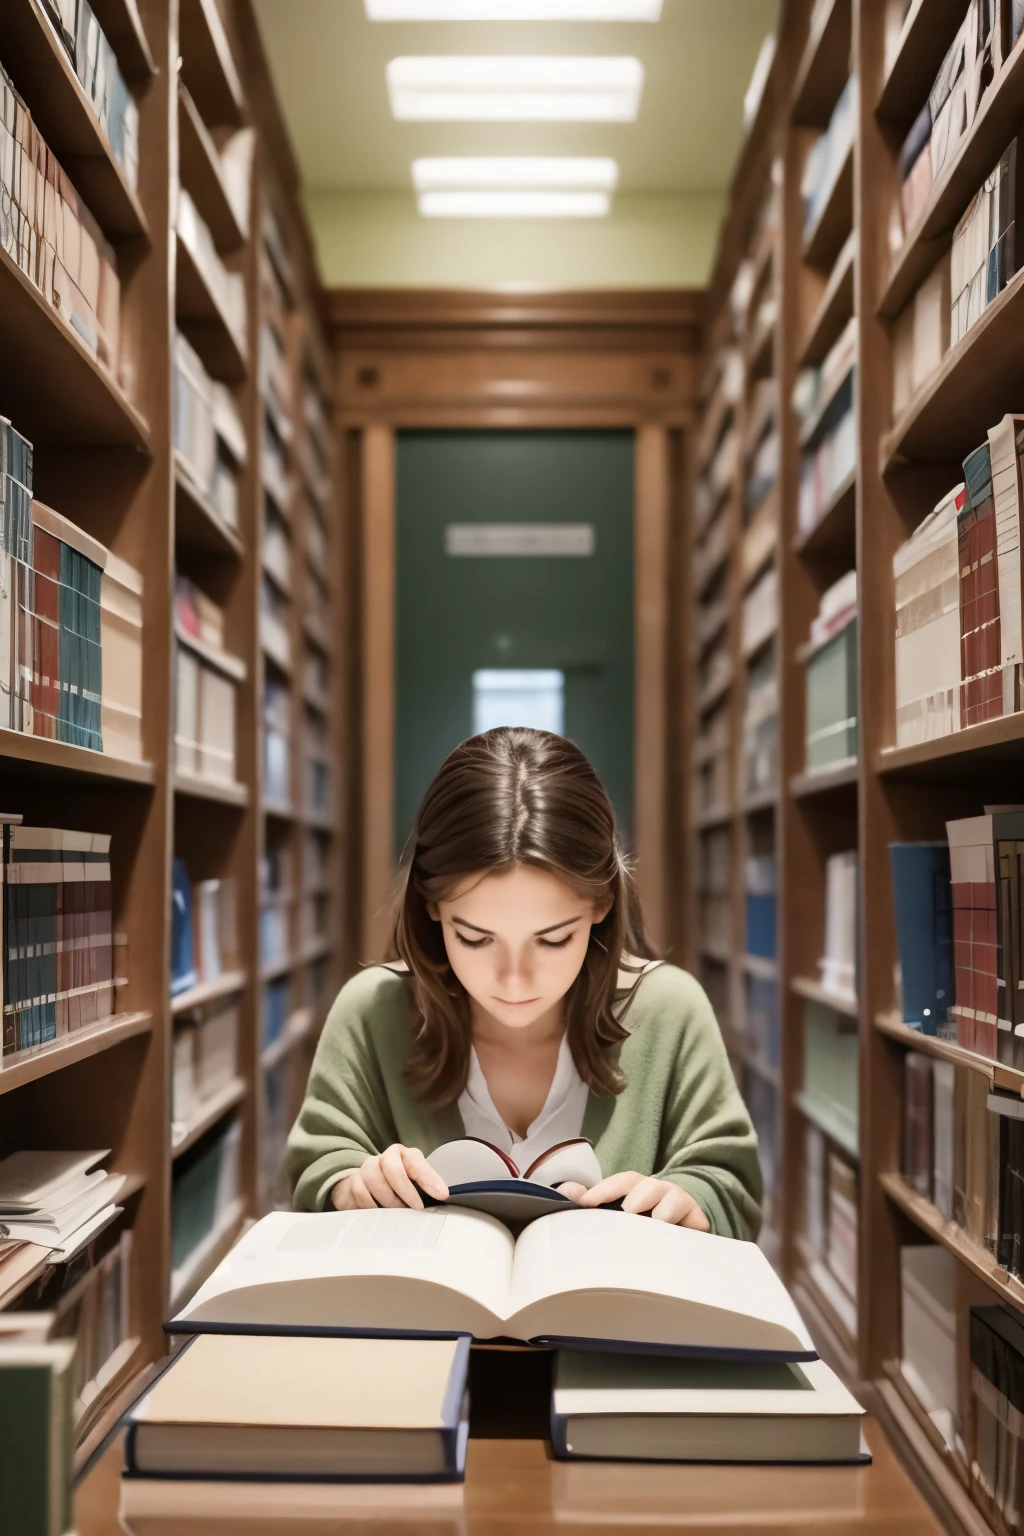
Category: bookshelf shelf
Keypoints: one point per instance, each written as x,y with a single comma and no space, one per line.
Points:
814,992
279,810
831,229
58,759
718,816
967,392
64,116
314,631
64,394
831,1338
759,965
998,117
204,322
825,66
270,970
229,1097
125,34
198,524
721,954
834,535
834,307
1008,1079
28,1066
231,666
761,800
202,177
825,781
924,1215
208,68
208,992
186,1280
296,1030
824,1116
927,32
974,751
218,791
812,427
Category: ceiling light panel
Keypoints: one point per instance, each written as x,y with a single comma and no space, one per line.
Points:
513,10
507,204
533,173
506,89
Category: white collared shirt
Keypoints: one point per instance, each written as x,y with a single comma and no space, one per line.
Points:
561,1119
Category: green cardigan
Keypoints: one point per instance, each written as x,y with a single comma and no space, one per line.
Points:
680,1115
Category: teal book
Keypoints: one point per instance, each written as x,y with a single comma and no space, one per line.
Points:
36,1437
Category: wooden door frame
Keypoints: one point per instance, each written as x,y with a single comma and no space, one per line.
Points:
526,360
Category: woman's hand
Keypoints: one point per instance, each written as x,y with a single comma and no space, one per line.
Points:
388,1180
664,1201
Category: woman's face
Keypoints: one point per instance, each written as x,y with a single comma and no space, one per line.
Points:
516,940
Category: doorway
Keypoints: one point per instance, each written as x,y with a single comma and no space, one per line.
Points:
514,598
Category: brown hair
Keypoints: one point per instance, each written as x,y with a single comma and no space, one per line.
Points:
515,796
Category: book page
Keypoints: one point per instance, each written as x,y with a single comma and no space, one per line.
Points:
432,1271
609,1274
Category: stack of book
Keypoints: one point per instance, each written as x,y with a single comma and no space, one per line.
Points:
96,67
827,156
70,622
208,432
91,1303
205,1061
830,722
57,1200
58,953
204,929
53,237
960,645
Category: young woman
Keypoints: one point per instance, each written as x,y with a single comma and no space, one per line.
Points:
525,1009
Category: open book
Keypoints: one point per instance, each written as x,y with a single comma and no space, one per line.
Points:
482,1177
593,1278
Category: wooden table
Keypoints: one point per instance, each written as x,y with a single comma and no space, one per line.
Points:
514,1484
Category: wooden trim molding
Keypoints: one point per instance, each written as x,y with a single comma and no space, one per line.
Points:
650,672
378,688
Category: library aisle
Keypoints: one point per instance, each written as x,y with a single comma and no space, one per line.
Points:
247,382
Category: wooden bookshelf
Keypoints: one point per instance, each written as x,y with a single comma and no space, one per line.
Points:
843,268
105,457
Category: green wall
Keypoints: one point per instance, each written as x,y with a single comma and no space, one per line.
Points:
458,614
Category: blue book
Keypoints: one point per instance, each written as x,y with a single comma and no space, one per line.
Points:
923,905
300,1409
183,965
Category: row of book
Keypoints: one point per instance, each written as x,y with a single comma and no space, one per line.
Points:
204,929
277,739
761,466
205,1194
823,399
89,1303
58,941
761,903
227,287
830,678
759,754
829,1226
50,233
715,890
760,615
982,45
208,432
758,1026
205,1061
711,761
959,635
95,64
70,622
827,156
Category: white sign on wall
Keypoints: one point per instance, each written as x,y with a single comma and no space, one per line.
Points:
576,539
